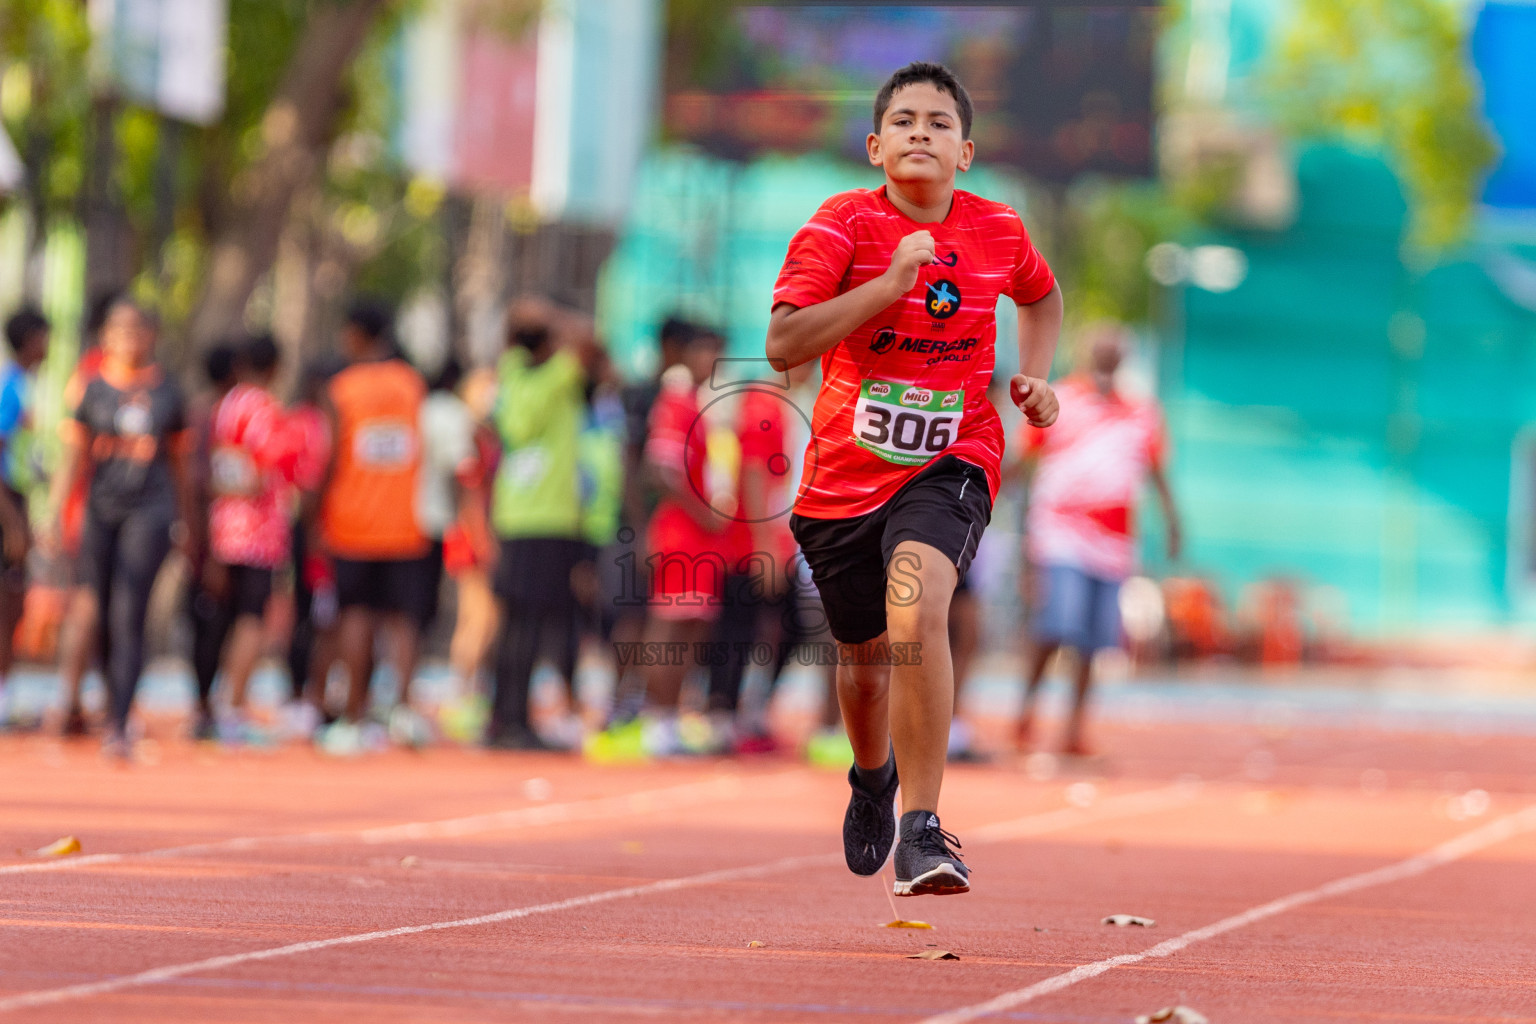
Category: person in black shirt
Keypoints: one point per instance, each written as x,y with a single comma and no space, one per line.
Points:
130,433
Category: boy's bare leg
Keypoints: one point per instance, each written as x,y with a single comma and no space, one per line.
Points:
864,694
664,681
1082,683
922,690
77,643
354,638
405,646
241,656
1040,657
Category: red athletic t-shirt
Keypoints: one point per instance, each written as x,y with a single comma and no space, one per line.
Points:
910,384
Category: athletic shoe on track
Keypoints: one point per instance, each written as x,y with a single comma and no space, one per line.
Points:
869,825
925,863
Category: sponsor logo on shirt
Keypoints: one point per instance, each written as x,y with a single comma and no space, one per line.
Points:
917,396
943,299
949,400
884,338
949,260
879,390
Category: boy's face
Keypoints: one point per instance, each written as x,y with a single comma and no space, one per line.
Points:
920,137
35,350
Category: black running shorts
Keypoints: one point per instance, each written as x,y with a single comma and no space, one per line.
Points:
947,506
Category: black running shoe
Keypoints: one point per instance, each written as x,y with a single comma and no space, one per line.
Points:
869,825
926,865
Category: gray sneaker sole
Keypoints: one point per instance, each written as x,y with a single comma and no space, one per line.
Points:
943,880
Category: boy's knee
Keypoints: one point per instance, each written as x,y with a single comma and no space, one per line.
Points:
917,620
866,680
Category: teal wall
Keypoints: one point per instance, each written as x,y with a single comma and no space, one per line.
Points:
1347,420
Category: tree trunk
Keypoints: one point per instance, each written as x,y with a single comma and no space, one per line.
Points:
296,129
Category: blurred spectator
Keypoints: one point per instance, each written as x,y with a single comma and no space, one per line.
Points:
536,509
1269,616
368,512
312,646
130,434
27,332
77,633
204,597
469,548
1089,470
1196,624
640,498
689,548
252,468
449,469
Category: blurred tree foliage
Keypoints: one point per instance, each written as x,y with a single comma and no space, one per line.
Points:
356,203
1392,75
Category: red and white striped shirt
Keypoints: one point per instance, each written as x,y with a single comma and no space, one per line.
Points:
253,455
910,384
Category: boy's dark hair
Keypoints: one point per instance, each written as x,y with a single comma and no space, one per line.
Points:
371,316
316,374
936,75
96,316
260,354
449,377
676,330
219,363
23,325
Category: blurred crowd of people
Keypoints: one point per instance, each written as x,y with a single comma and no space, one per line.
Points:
547,489
645,523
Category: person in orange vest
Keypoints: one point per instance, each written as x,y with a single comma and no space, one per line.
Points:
367,520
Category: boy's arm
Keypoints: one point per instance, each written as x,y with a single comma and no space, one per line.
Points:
1171,524
798,334
1039,331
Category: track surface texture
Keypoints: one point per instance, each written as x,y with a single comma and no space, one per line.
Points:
1294,874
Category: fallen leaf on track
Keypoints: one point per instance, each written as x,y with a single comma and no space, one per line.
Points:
756,944
1173,1015
410,861
933,954
1126,920
898,923
63,848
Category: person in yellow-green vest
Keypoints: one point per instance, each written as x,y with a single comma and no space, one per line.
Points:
536,507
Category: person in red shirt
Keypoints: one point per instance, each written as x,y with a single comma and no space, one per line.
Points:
253,462
1086,475
895,290
695,539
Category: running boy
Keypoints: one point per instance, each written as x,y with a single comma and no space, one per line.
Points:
896,291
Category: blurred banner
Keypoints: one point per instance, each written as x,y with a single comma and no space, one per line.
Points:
167,54
559,115
1502,44
11,170
1058,90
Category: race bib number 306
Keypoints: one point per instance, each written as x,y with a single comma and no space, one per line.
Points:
904,423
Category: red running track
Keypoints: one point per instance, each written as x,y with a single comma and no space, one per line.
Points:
458,886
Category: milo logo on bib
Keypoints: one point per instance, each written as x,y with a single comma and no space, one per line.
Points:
904,423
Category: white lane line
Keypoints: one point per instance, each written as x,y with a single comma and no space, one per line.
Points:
1464,845
644,802
159,974
1113,807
